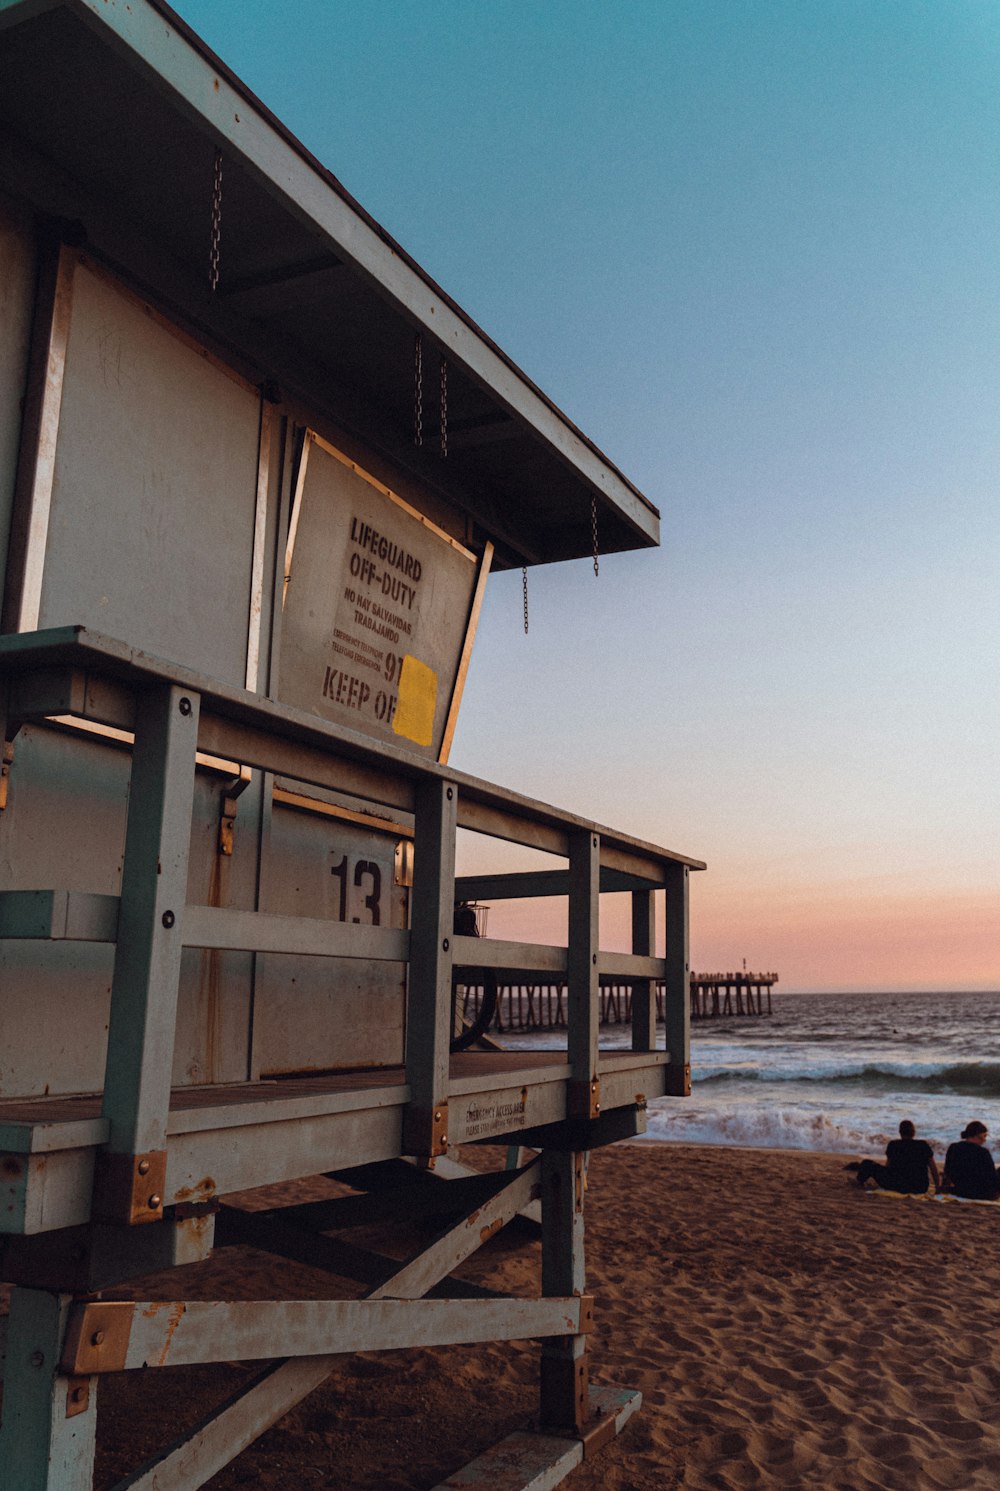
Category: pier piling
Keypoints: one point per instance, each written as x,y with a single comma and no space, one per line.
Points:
542,1006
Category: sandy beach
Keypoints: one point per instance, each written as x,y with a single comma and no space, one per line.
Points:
785,1329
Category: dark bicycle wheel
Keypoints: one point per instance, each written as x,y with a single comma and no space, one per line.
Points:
487,979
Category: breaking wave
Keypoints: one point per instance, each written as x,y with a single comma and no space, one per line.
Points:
759,1128
975,1078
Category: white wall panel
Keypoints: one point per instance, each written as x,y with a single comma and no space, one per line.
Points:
152,520
314,1013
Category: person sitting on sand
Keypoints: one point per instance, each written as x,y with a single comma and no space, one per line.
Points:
968,1166
908,1162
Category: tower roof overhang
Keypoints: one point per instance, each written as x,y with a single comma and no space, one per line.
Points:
115,112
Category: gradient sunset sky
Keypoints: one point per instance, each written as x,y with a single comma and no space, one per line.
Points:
751,247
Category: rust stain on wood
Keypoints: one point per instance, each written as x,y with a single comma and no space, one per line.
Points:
177,1309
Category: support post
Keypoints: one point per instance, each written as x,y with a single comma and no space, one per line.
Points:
582,975
677,990
428,1020
130,1176
49,1419
564,1380
643,995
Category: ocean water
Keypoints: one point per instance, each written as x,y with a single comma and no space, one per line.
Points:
835,1072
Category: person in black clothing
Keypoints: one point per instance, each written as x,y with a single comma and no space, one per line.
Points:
908,1162
968,1166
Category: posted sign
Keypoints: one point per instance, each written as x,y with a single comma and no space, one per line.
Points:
377,605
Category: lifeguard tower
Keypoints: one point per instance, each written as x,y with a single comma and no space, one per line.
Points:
255,469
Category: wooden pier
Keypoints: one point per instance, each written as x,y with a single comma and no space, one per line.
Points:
715,995
542,1006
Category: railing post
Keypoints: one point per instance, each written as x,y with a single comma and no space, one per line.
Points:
643,996
564,1384
49,1420
677,991
582,975
130,1174
428,1020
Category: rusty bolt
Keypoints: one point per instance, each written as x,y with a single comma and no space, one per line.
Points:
185,706
78,1394
168,919
143,1167
437,1116
97,1339
155,1202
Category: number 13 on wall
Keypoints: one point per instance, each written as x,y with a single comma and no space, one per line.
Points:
366,877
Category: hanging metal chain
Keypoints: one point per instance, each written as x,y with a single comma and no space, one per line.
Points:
444,406
213,253
418,389
593,530
524,586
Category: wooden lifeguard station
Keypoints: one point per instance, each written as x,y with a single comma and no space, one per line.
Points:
255,468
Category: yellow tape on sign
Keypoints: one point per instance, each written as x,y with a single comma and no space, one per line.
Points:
418,687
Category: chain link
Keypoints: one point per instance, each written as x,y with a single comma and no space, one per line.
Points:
524,586
593,530
418,389
444,406
213,253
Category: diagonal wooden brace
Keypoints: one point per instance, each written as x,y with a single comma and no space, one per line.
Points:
454,1245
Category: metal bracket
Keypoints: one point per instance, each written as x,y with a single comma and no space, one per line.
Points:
77,1396
97,1337
229,802
583,1100
565,1390
586,1314
227,824
678,1081
402,867
129,1188
598,1435
425,1130
6,763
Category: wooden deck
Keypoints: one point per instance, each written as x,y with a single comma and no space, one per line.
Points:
228,1138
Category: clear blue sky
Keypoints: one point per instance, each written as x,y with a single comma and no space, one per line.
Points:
751,247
